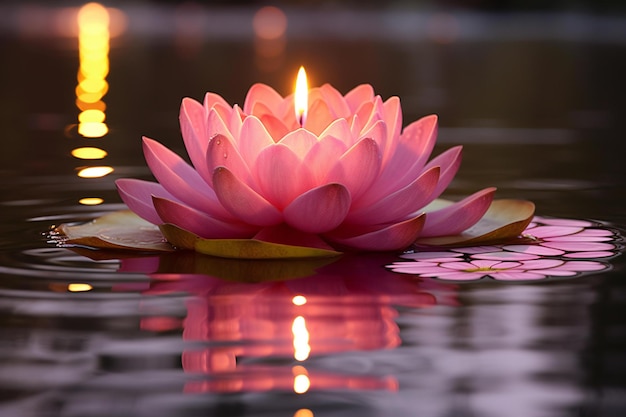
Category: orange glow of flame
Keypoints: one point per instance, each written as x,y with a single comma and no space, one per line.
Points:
301,97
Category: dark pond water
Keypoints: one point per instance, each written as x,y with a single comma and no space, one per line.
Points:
536,100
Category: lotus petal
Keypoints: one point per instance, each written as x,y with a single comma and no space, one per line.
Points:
223,153
360,118
459,216
322,157
288,114
211,99
449,162
254,138
275,127
378,132
262,93
319,210
418,139
235,122
217,124
335,101
242,201
398,205
200,223
579,246
225,114
339,129
181,180
319,117
378,112
546,232
393,122
359,94
281,175
357,168
137,194
396,236
408,158
299,142
259,110
503,222
193,128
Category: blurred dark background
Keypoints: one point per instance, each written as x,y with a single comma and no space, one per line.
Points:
601,6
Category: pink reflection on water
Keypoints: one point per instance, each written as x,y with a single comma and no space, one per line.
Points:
348,305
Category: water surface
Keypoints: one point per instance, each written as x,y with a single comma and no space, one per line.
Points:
538,115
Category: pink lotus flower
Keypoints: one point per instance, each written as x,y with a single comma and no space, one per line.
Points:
349,178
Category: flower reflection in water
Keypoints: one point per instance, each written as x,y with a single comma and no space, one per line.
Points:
261,336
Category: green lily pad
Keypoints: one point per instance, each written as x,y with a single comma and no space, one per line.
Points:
120,230
503,222
240,248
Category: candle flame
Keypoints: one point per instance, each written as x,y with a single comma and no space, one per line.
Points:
301,99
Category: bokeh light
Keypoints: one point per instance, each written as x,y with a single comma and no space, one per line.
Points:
269,22
301,384
270,41
92,129
301,346
303,412
93,50
94,24
79,287
95,172
89,152
91,201
299,300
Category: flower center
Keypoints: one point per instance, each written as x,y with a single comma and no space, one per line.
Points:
484,269
531,239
